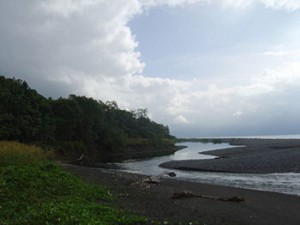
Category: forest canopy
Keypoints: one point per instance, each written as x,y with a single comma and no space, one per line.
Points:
75,125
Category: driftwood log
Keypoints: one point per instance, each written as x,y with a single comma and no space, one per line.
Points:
182,195
145,183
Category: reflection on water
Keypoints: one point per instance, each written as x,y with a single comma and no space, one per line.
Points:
150,166
288,183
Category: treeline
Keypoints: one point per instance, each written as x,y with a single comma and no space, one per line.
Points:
203,140
75,125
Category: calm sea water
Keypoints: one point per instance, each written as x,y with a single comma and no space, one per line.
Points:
288,183
286,136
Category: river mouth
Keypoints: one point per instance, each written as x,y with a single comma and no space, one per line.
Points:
192,151
287,183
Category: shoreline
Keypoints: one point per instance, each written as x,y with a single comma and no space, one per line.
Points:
143,152
156,203
259,156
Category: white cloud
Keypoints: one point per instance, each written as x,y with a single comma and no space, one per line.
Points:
86,47
285,4
282,51
276,53
66,40
172,3
238,113
181,120
275,4
67,7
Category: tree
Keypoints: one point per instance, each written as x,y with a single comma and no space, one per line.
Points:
75,124
21,114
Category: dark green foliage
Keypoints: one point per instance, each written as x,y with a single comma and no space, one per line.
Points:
74,125
24,114
203,140
45,194
36,191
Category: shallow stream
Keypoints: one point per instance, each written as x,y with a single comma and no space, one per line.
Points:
288,183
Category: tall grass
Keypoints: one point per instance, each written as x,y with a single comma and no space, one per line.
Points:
15,153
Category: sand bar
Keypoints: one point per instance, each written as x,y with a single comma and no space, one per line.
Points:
259,156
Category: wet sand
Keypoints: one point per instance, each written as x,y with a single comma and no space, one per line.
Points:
259,156
155,202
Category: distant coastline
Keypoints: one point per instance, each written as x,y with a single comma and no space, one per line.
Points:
278,136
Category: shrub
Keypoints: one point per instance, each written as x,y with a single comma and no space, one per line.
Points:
14,153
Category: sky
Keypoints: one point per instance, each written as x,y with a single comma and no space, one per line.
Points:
202,67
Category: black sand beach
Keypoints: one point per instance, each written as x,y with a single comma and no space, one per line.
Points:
156,203
259,156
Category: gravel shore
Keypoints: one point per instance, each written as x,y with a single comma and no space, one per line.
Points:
259,156
155,201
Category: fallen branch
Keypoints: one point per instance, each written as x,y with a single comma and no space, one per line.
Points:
146,182
81,157
182,195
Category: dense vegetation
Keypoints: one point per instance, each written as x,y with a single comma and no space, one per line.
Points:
203,140
75,125
36,191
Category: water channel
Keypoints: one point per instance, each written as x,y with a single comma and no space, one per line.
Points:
288,183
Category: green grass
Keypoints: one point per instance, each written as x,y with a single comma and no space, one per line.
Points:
34,190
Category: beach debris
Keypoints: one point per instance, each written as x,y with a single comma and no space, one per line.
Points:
81,157
145,183
171,174
186,194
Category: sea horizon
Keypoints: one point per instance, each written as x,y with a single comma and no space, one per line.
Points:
283,136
